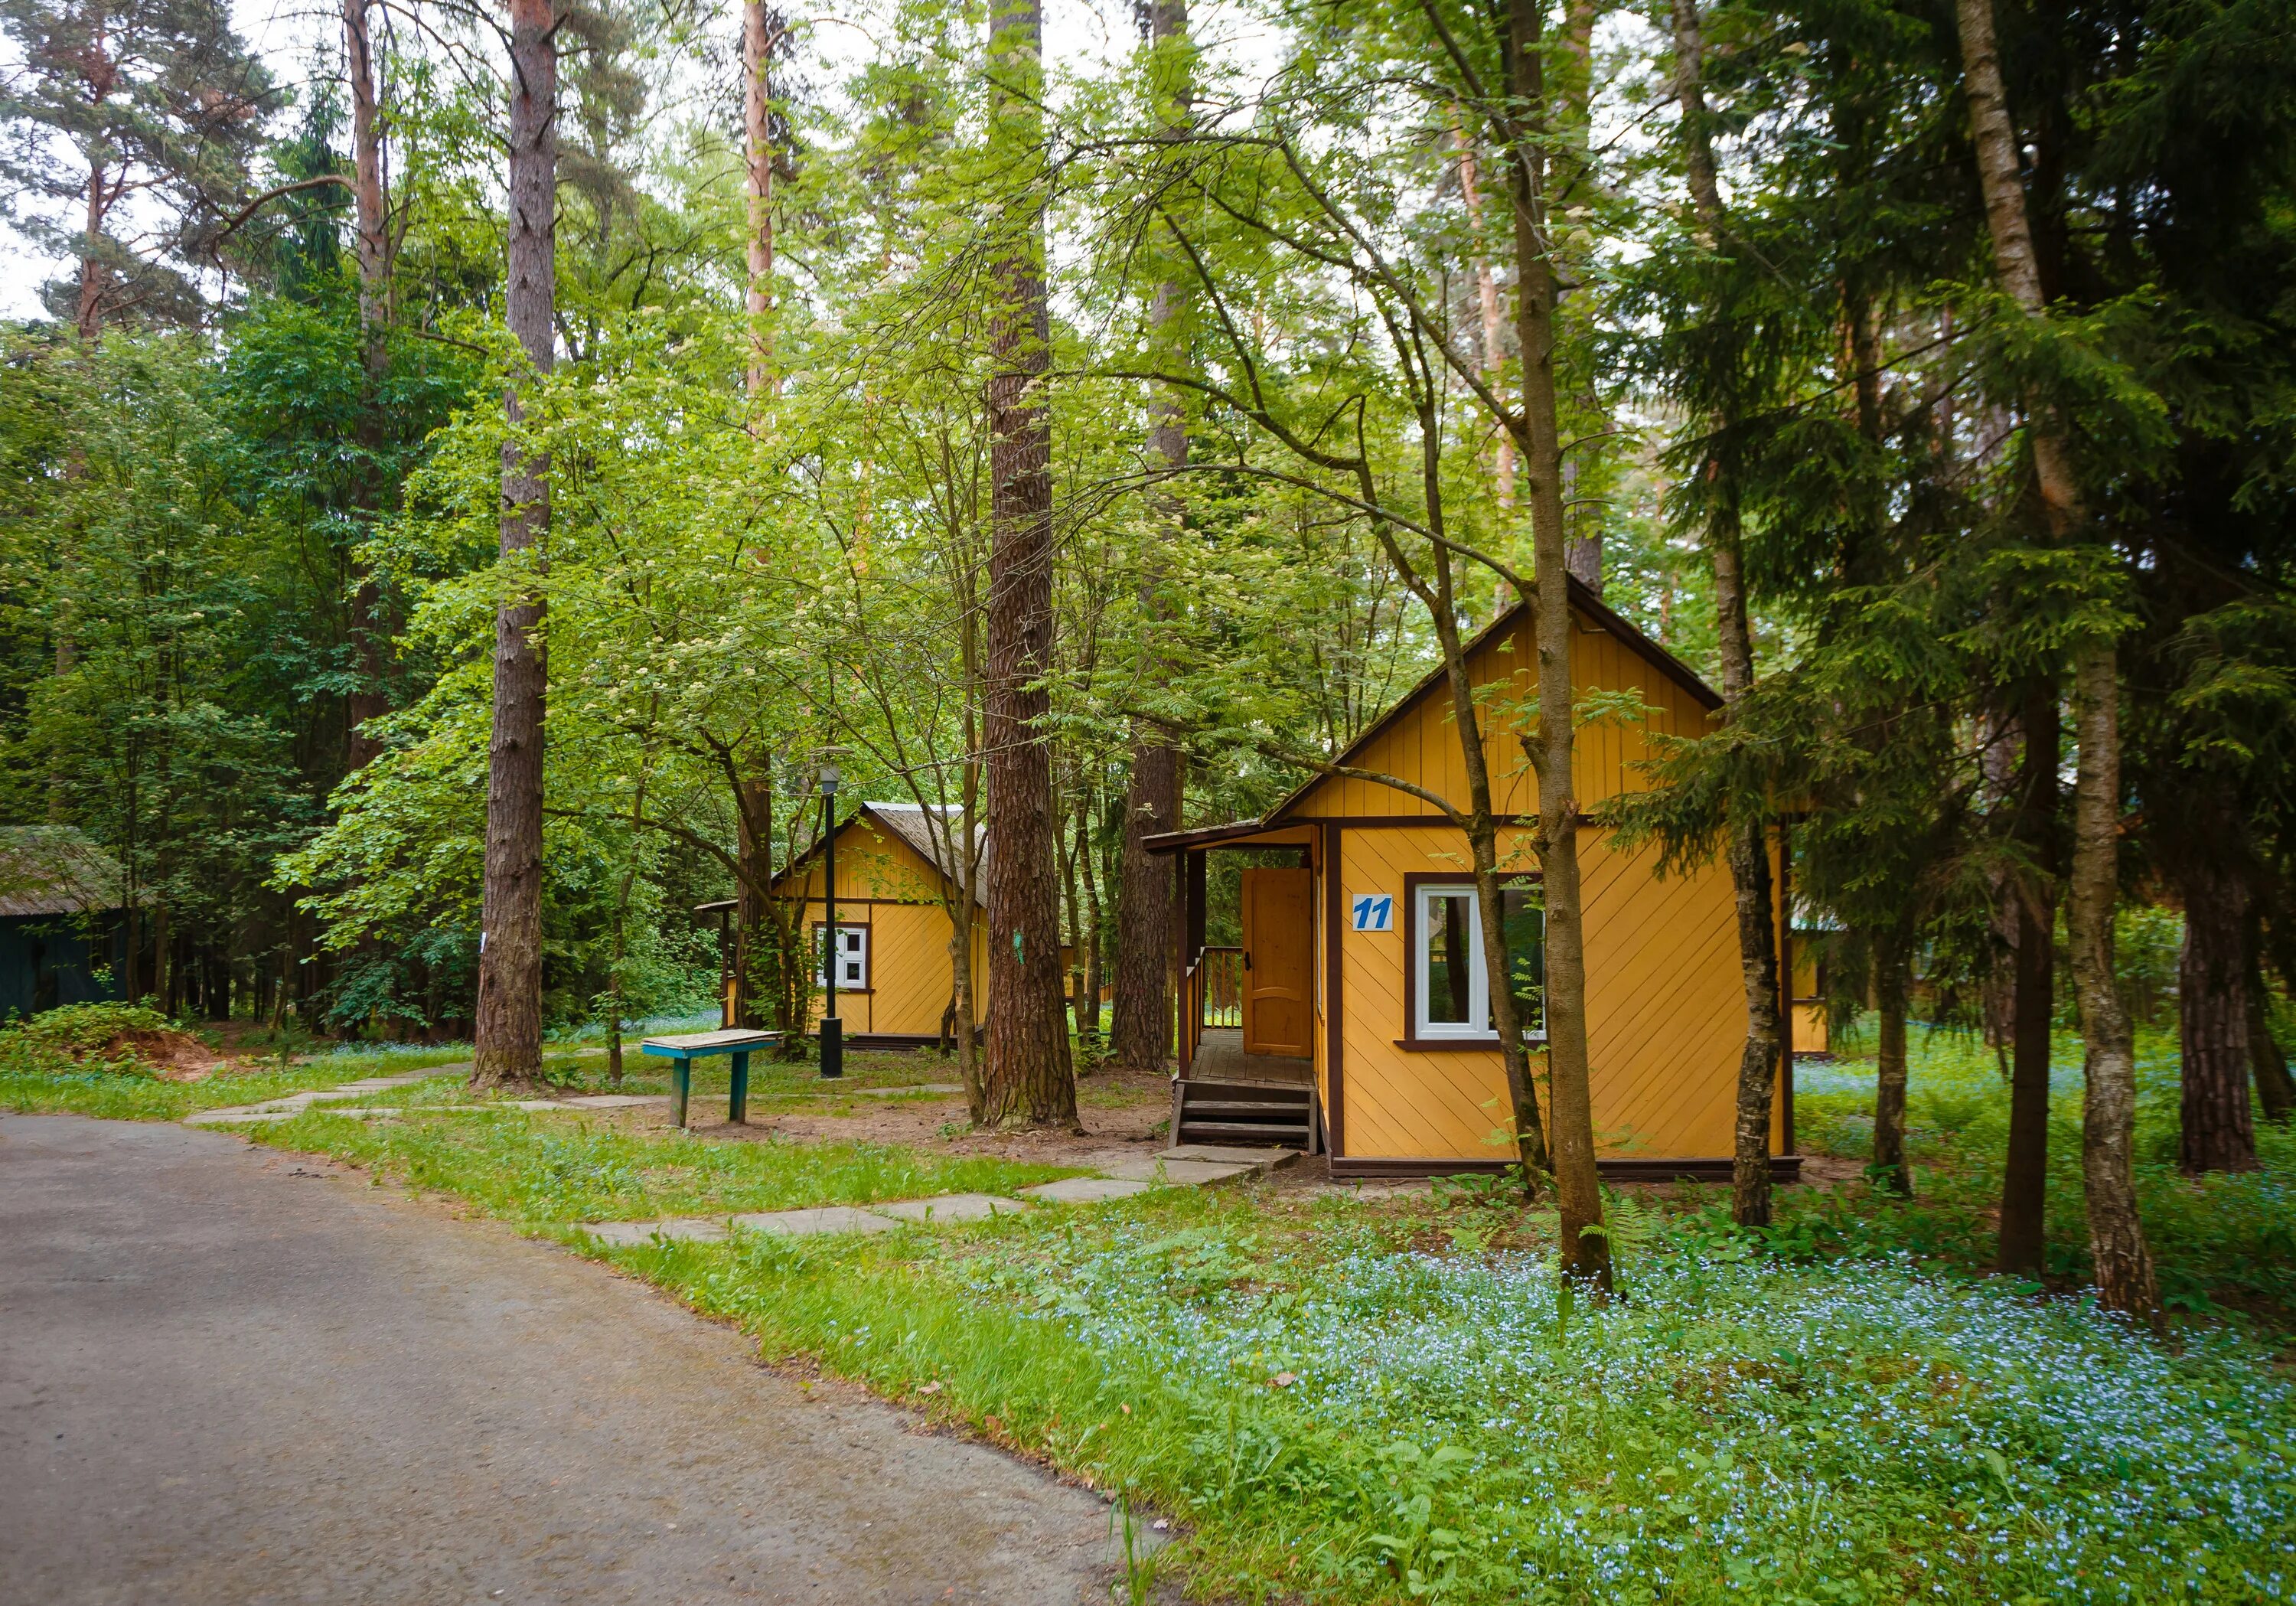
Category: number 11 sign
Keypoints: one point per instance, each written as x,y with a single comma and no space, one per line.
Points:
1371,911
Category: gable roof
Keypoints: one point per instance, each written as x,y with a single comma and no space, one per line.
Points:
1583,600
55,870
906,823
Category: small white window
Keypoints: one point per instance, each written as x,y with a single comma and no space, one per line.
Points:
852,960
1450,986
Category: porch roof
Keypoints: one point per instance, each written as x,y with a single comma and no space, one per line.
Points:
1237,834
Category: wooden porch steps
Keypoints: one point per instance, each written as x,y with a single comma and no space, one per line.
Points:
1249,1113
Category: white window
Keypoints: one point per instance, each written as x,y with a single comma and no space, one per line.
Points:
1450,986
852,960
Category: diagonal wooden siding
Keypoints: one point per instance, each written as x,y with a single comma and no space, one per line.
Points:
1665,1018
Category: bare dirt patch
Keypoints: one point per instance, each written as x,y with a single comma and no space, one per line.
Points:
1122,1113
173,1056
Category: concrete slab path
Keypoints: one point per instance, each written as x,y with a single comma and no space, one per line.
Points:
288,1106
231,1375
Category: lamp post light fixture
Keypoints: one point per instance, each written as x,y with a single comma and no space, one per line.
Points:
832,1028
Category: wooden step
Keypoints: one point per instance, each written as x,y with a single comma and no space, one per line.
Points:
1271,1092
1290,1135
1217,1109
1244,1114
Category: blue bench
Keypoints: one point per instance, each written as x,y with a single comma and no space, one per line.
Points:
683,1051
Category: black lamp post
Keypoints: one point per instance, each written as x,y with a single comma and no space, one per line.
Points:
833,1029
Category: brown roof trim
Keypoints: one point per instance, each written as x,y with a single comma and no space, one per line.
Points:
1582,599
1173,842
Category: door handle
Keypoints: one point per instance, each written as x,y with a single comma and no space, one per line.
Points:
1247,959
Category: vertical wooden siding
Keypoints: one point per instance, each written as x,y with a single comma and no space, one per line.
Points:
1422,745
909,971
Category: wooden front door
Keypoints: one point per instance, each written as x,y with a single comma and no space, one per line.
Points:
1279,962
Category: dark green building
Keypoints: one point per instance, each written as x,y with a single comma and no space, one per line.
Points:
62,926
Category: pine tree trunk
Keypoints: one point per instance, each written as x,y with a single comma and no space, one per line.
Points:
1089,937
1748,852
1030,1076
2217,1129
2025,1167
1586,1244
1892,955
1583,550
2124,1264
760,34
1140,1032
371,631
508,1047
2275,1090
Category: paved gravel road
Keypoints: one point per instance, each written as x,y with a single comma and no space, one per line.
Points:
230,1375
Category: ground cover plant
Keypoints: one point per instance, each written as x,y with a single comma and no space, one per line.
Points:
1355,1398
1358,1402
2224,1239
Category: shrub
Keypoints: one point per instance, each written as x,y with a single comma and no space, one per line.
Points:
117,1038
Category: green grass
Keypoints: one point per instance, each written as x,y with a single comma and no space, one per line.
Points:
546,1171
41,1083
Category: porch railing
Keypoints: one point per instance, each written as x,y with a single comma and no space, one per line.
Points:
1211,994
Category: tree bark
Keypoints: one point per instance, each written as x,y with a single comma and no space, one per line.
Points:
754,848
760,34
1586,1245
2025,1168
2123,1263
1030,1076
371,240
2217,1129
1747,850
1140,1032
508,1046
1583,547
1892,959
2275,1090
1487,299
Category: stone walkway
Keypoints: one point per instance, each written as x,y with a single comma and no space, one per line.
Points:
1192,1166
291,1105
1122,1173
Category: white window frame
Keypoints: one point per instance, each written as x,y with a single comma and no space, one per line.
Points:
860,952
1479,984
1423,953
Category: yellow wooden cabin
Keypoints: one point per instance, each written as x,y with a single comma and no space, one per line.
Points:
1358,990
895,980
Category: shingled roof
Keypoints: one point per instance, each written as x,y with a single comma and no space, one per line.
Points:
55,870
906,821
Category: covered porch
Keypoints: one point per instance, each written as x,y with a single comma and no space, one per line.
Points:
1243,1036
